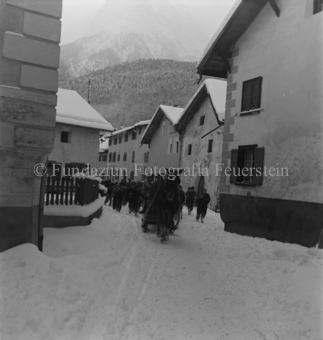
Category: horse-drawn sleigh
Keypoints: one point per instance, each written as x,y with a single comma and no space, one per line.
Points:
163,207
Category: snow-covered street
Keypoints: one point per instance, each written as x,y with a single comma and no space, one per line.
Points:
111,281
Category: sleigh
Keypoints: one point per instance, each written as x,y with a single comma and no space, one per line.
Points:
150,216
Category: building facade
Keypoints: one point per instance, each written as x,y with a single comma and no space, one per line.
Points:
273,119
200,128
77,135
127,158
163,140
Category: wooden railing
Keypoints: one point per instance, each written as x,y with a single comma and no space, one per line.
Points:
69,190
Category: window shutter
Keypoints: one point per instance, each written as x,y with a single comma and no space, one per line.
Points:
234,165
246,101
259,165
317,6
210,146
255,93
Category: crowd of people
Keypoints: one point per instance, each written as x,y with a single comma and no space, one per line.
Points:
136,193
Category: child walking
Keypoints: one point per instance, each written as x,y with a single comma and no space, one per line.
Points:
202,203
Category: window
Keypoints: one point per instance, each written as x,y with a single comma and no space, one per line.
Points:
124,156
114,156
104,158
210,146
64,137
72,169
110,157
118,157
116,173
163,129
177,146
110,141
126,137
189,149
133,156
120,138
202,118
247,165
251,94
134,134
79,166
170,146
115,141
54,169
132,175
146,157
318,6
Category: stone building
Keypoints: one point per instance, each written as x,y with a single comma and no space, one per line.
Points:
200,129
271,54
77,134
163,140
127,157
29,59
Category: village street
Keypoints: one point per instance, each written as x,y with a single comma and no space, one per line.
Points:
111,281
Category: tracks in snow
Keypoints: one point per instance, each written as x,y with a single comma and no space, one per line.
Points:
137,268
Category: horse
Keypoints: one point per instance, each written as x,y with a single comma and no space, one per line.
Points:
166,203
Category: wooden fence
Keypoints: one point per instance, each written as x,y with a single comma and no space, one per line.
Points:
69,190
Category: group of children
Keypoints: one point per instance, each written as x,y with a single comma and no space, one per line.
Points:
119,194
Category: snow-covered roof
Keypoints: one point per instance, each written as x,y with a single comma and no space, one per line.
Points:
104,145
141,123
72,109
219,30
216,89
172,113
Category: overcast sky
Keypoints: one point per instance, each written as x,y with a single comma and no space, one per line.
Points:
77,14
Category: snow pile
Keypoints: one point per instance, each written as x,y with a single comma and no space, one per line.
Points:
103,188
111,281
74,210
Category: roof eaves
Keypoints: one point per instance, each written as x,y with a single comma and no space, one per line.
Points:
223,39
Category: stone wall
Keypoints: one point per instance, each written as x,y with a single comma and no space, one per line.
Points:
29,59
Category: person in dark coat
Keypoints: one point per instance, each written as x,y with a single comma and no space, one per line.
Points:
134,195
181,200
118,197
202,202
109,194
190,199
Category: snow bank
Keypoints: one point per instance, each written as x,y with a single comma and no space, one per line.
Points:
111,281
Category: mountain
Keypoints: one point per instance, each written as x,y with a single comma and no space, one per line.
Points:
128,30
130,92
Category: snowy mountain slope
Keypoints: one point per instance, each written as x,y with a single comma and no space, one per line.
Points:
129,30
110,281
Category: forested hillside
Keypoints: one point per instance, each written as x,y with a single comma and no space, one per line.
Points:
129,92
